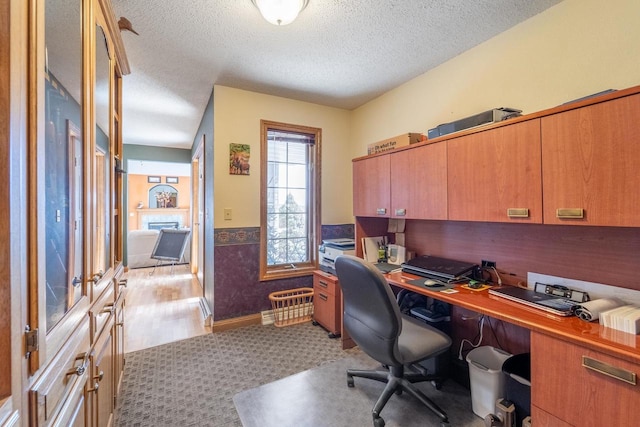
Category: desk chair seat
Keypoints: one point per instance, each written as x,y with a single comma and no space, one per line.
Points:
373,320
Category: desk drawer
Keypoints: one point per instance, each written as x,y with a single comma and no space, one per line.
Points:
326,283
582,386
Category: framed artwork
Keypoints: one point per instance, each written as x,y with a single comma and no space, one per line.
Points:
153,179
239,159
171,180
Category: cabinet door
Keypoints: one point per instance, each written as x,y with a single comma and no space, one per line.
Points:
562,386
590,160
371,187
495,175
419,182
103,376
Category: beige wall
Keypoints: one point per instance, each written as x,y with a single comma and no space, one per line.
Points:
573,49
237,115
576,48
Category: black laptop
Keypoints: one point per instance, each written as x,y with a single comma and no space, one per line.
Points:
431,266
549,303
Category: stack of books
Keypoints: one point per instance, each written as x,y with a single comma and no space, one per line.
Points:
625,318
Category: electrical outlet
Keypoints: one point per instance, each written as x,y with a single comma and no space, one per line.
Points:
488,264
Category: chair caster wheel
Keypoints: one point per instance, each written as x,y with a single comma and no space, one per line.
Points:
445,424
437,384
350,381
314,323
378,422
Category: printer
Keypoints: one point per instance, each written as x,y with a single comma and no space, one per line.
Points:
330,249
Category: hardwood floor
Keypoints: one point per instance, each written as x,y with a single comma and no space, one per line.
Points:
162,308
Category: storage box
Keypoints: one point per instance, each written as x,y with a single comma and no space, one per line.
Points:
487,379
396,141
292,306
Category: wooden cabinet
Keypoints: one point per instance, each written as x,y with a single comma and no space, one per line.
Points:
590,163
327,300
64,378
408,184
63,369
495,175
419,182
372,187
563,387
119,334
102,376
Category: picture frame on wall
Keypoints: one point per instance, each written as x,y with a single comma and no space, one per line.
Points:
153,179
171,179
239,155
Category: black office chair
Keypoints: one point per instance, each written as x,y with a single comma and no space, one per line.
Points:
373,320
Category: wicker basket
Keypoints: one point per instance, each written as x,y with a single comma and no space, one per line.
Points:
292,306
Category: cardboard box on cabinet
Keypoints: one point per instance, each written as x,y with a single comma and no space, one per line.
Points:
395,142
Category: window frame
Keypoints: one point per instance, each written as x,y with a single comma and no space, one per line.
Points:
302,268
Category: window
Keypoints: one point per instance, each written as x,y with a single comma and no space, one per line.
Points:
290,202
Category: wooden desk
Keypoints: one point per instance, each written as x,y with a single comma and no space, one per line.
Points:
588,334
563,391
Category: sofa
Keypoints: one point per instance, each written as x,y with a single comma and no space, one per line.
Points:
140,244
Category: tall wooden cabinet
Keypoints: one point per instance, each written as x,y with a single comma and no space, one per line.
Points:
65,354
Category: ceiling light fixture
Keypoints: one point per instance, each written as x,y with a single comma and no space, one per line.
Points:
280,12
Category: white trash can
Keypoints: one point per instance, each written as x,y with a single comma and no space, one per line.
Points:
486,378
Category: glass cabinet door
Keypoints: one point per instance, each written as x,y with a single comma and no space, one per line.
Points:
102,184
57,179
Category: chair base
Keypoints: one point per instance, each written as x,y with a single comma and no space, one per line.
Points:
398,382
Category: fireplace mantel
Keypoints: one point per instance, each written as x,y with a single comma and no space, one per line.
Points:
181,215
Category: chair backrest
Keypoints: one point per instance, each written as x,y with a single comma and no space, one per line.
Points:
371,314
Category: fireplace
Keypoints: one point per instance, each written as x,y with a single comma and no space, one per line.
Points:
159,225
162,215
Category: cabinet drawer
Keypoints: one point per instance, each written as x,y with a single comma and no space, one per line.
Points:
582,386
542,418
325,283
326,311
67,372
101,312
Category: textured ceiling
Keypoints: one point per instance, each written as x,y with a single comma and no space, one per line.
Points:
337,53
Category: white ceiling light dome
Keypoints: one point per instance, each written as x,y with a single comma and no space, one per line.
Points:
280,12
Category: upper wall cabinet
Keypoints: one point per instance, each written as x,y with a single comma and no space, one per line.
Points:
419,182
371,187
590,164
494,175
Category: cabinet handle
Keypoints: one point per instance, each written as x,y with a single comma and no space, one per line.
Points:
123,282
96,277
79,370
518,213
570,213
381,211
323,297
323,284
609,370
401,212
108,308
99,377
96,386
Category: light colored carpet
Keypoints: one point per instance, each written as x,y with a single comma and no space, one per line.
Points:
319,397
